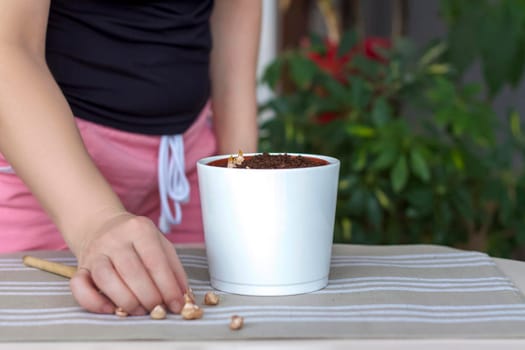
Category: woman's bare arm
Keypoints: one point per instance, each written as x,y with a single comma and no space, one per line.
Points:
235,30
38,135
122,255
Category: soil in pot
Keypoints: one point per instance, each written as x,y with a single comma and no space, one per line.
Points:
269,161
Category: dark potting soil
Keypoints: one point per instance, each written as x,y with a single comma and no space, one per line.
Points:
274,161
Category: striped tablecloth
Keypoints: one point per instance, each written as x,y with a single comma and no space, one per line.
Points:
374,292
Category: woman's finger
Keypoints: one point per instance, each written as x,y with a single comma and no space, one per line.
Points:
87,294
176,265
131,270
158,265
109,282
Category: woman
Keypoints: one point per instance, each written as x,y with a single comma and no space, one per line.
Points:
103,112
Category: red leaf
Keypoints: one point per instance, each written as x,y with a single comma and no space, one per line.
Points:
327,117
334,65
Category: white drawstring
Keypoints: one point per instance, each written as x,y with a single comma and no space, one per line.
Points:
6,169
172,180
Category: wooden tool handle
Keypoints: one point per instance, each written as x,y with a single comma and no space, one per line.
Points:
49,266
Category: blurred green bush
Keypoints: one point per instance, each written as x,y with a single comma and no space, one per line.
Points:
424,156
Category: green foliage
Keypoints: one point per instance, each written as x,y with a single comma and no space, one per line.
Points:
420,157
490,31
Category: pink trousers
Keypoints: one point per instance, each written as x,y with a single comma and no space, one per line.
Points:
130,163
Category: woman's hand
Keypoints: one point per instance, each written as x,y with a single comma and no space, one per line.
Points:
128,263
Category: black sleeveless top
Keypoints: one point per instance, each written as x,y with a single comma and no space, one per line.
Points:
135,65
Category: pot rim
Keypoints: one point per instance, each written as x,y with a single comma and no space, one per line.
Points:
332,162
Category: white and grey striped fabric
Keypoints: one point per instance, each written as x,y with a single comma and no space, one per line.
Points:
374,292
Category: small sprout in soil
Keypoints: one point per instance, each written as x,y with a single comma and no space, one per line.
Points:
235,161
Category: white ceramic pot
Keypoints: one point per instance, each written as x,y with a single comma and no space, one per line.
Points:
268,231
